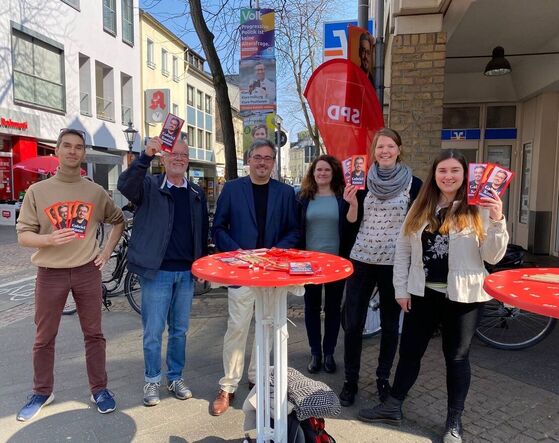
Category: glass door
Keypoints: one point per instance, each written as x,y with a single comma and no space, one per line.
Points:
502,156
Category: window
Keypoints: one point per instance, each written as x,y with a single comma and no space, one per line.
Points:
127,22
461,118
150,54
175,109
85,84
104,86
190,95
164,62
73,3
208,140
109,16
208,104
200,100
200,139
191,136
524,215
38,70
501,116
126,94
175,68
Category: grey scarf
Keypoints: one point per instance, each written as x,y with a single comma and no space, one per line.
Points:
385,184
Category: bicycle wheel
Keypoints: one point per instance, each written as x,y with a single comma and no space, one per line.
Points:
202,288
372,323
69,306
133,292
507,327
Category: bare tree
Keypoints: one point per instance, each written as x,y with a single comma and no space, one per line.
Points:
298,45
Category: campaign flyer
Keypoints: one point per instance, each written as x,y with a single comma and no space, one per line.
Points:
355,171
81,215
58,214
170,132
495,178
475,174
300,268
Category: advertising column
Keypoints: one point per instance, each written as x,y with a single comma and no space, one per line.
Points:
257,70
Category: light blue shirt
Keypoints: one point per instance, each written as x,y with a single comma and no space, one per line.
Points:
322,225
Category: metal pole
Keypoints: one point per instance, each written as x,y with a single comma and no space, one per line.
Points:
278,143
379,51
363,13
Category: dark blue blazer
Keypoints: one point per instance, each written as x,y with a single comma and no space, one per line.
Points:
234,225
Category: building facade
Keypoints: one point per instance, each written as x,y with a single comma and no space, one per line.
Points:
71,63
437,96
169,64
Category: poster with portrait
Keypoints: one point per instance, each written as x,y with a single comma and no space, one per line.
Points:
495,178
170,132
355,171
475,174
80,216
361,50
258,85
58,213
257,126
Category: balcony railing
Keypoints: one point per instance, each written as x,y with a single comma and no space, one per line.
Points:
126,114
85,103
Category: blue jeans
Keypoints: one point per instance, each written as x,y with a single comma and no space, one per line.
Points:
167,297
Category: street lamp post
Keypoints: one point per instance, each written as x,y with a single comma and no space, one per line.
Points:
279,121
130,134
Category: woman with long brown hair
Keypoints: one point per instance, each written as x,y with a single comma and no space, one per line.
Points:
377,213
322,213
438,279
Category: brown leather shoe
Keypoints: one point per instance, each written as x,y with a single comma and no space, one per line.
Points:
221,402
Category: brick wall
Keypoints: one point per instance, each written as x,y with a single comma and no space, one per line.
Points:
416,96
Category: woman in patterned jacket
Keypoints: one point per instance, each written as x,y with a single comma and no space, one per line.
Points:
377,213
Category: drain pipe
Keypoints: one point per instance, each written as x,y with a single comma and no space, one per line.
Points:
379,51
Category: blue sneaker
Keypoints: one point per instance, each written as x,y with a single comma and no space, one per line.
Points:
35,403
105,401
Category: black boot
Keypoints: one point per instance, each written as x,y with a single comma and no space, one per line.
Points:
329,364
453,430
389,412
383,389
315,364
347,396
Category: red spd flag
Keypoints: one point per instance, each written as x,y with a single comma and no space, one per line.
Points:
345,108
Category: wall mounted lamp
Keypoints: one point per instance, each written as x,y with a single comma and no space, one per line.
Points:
499,65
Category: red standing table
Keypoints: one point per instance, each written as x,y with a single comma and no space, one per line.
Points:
511,287
271,288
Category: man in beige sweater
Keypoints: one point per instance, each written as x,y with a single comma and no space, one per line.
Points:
67,262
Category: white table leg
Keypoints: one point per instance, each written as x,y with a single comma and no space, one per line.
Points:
280,364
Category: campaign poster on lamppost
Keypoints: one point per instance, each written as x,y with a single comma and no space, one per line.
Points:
257,33
258,85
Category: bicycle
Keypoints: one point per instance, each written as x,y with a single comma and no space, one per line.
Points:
501,326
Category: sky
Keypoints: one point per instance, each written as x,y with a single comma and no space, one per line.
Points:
174,15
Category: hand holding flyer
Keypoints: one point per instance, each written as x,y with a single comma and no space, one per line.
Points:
70,214
483,178
171,132
355,171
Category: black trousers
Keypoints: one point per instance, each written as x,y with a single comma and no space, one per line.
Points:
333,293
359,288
459,322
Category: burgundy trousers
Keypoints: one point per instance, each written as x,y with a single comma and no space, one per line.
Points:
51,292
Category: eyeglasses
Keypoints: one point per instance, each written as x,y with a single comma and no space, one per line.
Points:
266,158
177,155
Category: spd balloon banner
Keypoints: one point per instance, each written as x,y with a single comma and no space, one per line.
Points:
345,108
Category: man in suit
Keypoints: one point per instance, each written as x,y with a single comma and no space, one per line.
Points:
252,212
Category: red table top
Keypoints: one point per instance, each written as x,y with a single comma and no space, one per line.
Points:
327,268
510,287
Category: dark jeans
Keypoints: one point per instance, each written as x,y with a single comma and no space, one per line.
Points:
354,314
332,306
459,322
51,292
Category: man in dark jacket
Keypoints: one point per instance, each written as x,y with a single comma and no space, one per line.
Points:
252,212
170,232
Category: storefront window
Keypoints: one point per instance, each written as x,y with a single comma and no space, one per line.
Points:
461,118
501,117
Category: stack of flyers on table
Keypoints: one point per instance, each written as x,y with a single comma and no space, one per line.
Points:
355,171
170,132
301,268
70,214
483,178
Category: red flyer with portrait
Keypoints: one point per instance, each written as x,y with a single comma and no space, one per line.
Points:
475,175
170,132
80,216
355,171
495,178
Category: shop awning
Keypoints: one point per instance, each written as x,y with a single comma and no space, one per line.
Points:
101,158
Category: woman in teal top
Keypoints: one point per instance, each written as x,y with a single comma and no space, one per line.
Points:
323,212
